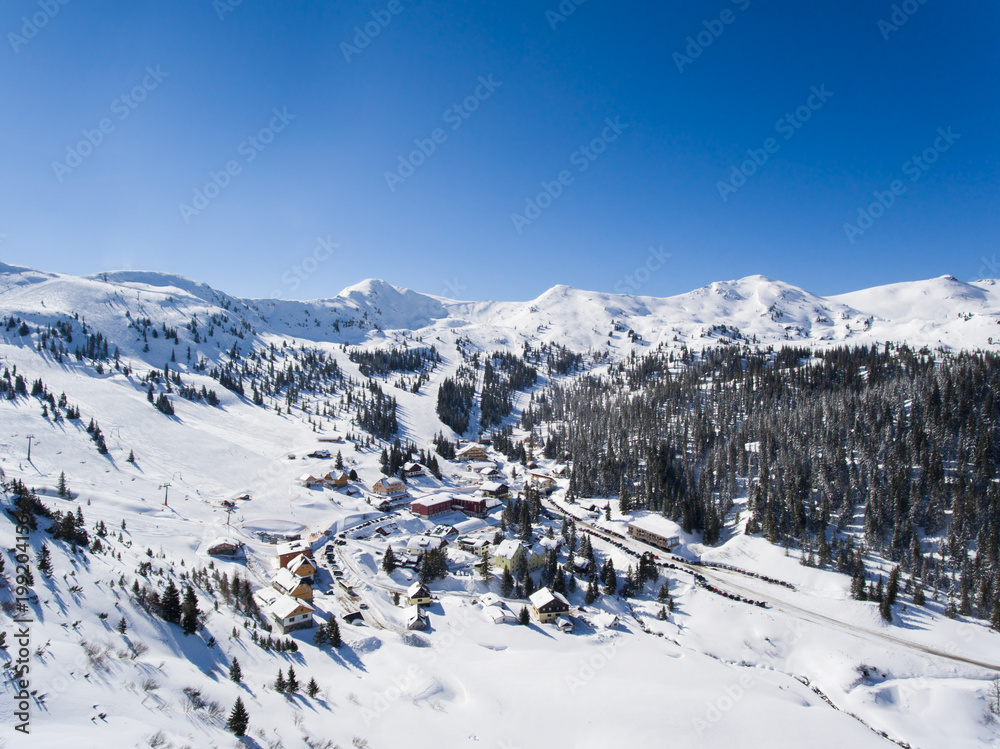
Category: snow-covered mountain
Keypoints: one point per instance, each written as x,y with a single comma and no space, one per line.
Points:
814,667
941,312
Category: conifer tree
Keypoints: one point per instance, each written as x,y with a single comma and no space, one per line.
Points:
291,683
858,582
235,672
892,587
388,561
333,633
239,719
524,617
45,561
885,609
312,688
506,583
170,603
280,685
190,611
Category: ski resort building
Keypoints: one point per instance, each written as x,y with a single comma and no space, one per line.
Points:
543,482
287,583
224,548
472,451
431,506
411,470
510,551
494,489
548,605
291,613
337,480
469,505
389,487
303,568
655,531
291,549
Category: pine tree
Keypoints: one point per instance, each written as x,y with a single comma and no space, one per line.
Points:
320,639
235,672
130,459
170,603
45,561
506,583
892,587
239,719
190,612
291,683
529,586
312,688
995,619
62,489
122,626
388,561
885,609
333,633
485,566
524,617
664,593
919,598
662,614
280,685
858,582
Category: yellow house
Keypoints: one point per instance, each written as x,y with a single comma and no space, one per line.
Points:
418,595
548,605
507,554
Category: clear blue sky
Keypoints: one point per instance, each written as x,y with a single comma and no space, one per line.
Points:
447,228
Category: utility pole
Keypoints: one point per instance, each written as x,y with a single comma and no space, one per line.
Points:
166,488
30,437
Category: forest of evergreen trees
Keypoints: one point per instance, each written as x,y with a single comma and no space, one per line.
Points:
872,449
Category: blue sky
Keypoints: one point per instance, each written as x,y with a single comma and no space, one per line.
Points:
188,89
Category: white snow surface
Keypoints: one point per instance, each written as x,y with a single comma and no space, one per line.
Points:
717,673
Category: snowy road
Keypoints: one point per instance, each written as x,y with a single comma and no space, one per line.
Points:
725,580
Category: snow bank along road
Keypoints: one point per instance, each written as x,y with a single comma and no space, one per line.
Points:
724,579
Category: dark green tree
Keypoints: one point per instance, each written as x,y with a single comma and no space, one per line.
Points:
388,561
333,633
45,561
190,611
506,583
892,587
235,672
239,719
170,603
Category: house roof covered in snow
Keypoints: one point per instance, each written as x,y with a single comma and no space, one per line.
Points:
508,548
545,597
286,606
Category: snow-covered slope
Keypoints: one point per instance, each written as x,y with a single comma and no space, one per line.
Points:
939,312
814,668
